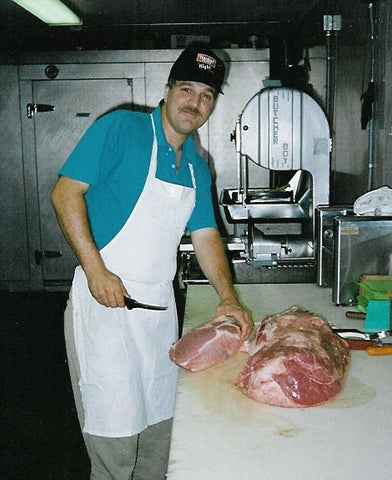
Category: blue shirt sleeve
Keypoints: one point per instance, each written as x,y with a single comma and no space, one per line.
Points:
113,159
98,151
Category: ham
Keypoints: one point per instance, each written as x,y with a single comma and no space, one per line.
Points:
207,345
296,361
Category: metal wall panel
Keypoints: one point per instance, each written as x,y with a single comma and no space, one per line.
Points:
350,145
156,78
77,104
84,71
13,231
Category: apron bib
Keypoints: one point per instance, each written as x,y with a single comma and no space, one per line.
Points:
127,379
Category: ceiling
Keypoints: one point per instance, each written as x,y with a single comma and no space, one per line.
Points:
130,24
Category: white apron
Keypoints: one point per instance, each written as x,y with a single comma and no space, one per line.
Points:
127,379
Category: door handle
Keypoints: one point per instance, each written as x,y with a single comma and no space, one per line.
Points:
33,108
40,254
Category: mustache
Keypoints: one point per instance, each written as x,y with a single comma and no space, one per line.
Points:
191,110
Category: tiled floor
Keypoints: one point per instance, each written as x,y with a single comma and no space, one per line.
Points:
40,437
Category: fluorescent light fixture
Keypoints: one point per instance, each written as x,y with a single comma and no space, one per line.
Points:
52,12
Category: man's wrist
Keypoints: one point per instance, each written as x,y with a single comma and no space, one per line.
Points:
233,299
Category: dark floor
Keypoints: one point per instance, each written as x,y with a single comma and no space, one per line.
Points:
40,436
39,430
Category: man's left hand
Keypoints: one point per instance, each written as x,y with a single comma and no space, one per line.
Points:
233,309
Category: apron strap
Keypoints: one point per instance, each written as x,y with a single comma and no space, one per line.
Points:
154,151
191,169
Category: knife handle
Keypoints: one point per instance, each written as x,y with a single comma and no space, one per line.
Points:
360,344
379,350
356,315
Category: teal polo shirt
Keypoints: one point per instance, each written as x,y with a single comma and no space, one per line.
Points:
113,158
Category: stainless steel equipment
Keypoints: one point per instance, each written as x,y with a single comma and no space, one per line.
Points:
285,131
362,246
325,215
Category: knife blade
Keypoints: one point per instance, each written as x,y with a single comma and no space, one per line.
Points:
131,303
354,333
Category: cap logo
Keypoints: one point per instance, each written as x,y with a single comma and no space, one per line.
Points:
205,61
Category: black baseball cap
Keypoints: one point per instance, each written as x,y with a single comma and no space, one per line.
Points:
197,63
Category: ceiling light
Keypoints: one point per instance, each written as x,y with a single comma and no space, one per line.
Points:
52,12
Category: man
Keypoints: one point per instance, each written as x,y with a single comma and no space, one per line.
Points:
123,199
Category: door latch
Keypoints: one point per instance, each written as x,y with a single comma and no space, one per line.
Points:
33,108
40,254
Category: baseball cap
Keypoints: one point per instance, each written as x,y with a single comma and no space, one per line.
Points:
197,63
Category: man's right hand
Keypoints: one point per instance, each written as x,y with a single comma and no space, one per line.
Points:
107,288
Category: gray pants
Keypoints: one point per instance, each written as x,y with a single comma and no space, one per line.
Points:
141,457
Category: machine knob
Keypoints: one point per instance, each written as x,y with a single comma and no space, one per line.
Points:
286,248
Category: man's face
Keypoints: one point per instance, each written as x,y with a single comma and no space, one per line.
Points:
188,106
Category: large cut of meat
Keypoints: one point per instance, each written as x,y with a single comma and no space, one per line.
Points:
207,345
296,361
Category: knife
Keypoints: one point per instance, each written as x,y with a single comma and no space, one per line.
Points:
354,333
131,303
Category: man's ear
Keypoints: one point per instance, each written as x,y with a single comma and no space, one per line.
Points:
166,92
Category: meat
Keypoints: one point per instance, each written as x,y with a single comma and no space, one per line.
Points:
296,361
207,345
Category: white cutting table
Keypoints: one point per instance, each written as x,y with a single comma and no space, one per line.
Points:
220,434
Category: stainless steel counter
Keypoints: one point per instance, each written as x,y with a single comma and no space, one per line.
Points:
220,434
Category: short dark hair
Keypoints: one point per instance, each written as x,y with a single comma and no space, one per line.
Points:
172,81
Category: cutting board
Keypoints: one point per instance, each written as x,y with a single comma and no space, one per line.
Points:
219,433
